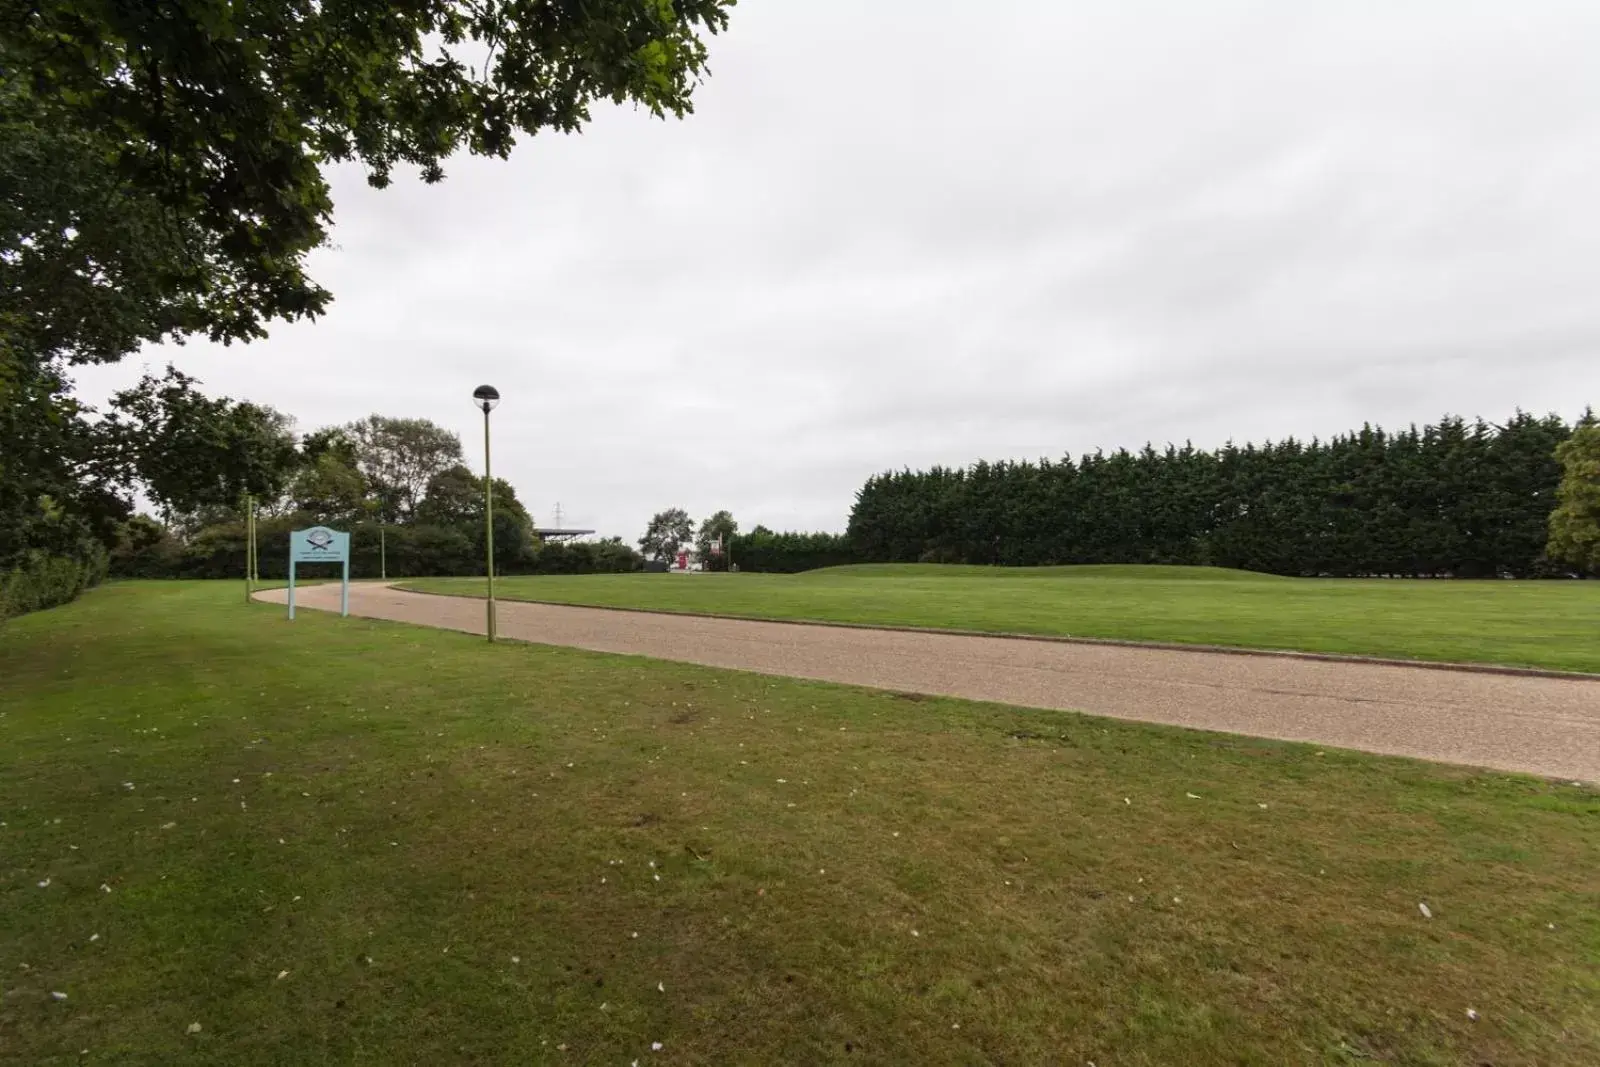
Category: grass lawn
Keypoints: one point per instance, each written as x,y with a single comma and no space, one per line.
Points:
1534,624
353,841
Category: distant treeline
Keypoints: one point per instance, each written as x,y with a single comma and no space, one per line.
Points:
763,551
146,549
1460,499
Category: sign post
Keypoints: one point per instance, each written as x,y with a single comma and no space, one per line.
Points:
321,545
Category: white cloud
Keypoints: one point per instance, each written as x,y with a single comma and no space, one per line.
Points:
908,233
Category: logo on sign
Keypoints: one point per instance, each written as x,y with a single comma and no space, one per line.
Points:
320,539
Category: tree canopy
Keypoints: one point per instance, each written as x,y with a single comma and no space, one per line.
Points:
717,528
162,162
668,531
1575,522
1455,498
191,451
400,457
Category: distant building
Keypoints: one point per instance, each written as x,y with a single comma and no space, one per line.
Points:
553,534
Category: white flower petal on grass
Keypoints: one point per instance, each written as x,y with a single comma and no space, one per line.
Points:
1427,912
1263,807
104,888
661,987
1472,1015
45,884
655,1046
194,1028
58,996
1192,796
282,975
94,937
516,959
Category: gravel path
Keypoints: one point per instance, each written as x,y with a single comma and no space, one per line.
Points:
1548,726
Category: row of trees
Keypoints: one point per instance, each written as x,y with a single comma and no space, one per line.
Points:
759,550
1456,498
672,530
398,484
162,176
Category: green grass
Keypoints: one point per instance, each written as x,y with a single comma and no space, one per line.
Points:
1554,625
396,817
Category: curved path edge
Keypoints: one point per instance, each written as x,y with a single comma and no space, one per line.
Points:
1508,721
1059,639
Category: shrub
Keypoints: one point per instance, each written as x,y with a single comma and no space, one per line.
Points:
43,581
761,550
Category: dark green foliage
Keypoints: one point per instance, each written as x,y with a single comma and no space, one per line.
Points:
162,174
668,531
145,549
716,532
59,503
762,551
39,580
191,451
184,141
1575,523
610,556
1468,500
400,458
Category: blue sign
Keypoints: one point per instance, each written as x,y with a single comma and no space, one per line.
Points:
321,545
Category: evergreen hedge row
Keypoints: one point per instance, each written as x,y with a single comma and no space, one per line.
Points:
41,580
1455,499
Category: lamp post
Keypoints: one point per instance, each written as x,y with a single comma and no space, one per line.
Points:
486,397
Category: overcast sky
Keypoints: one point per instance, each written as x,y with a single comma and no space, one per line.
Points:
910,232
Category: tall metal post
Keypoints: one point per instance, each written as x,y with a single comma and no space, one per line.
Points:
383,552
488,517
248,573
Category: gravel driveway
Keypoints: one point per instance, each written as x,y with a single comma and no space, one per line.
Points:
1547,726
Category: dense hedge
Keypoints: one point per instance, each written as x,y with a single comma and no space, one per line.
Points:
1469,500
41,580
761,550
147,550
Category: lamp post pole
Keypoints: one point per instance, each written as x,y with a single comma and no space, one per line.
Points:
487,397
